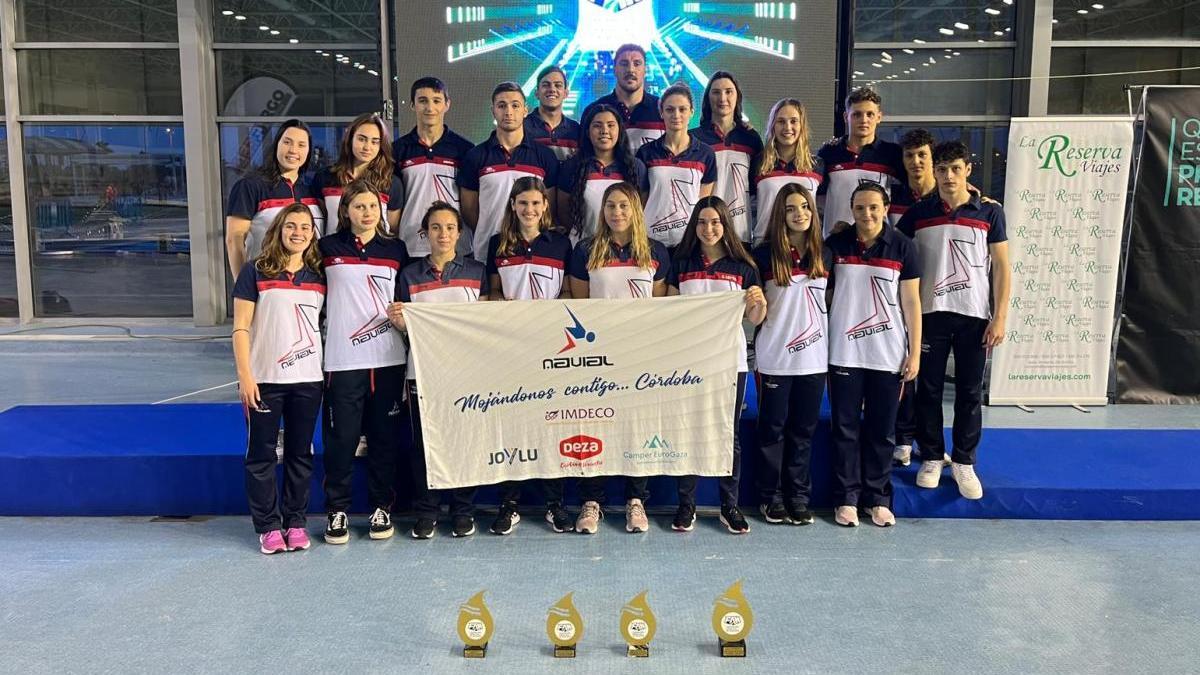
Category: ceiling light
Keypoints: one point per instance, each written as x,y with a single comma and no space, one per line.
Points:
961,26
886,56
239,17
264,28
906,50
877,65
227,12
274,32
998,33
993,11
918,41
946,31
1097,6
293,41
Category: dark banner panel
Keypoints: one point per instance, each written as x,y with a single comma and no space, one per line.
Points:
1158,354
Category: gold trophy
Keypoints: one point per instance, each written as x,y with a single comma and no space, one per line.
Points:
475,626
637,626
565,627
732,620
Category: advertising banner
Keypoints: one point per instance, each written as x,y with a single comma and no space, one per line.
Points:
558,388
1158,354
1064,203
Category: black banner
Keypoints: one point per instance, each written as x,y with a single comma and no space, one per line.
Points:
1158,353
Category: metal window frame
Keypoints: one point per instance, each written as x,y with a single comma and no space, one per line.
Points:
999,44
95,45
1165,42
22,251
299,46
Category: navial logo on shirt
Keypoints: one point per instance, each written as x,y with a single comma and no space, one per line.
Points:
379,323
575,333
880,320
306,343
811,334
961,263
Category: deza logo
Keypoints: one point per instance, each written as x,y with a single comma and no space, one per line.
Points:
580,447
575,333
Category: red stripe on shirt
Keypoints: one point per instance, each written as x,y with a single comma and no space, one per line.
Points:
498,168
452,283
947,220
560,142
596,175
865,166
714,276
695,166
777,174
873,262
275,203
444,161
513,260
720,146
332,260
280,283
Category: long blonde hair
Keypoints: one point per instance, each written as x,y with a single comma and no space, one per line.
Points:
639,243
803,159
781,247
510,225
273,258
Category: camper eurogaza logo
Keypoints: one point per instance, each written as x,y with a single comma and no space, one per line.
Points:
575,334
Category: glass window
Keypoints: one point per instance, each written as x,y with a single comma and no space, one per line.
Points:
1126,19
909,83
306,21
8,264
108,218
99,82
97,21
988,144
1107,95
298,83
934,20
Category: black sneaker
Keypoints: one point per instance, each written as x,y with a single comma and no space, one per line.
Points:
733,520
381,525
560,521
506,519
338,529
424,529
685,518
799,514
773,513
464,526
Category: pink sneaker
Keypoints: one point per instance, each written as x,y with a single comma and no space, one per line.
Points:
272,542
297,539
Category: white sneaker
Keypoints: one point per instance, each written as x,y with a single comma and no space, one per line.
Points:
902,455
846,516
968,483
930,474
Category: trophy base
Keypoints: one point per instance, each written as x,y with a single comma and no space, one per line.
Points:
639,651
473,652
567,652
736,648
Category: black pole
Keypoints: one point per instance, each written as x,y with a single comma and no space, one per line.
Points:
845,60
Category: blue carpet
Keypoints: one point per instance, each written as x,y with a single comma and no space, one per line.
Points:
109,460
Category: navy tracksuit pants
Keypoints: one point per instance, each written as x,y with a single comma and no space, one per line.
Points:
941,334
863,423
788,409
298,406
359,402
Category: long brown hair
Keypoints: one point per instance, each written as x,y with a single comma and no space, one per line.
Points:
379,170
639,243
690,244
510,225
781,247
273,258
803,159
354,189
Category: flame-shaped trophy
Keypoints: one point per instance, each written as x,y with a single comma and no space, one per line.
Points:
732,620
475,626
565,627
637,626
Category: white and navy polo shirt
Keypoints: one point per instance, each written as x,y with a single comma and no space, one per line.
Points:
491,170
903,199
533,270
880,162
258,201
767,186
285,335
675,182
362,283
866,321
429,174
643,122
599,178
563,140
327,186
953,246
794,340
737,153
461,280
697,275
621,277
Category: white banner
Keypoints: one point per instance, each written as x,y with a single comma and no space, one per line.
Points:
1064,203
557,388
